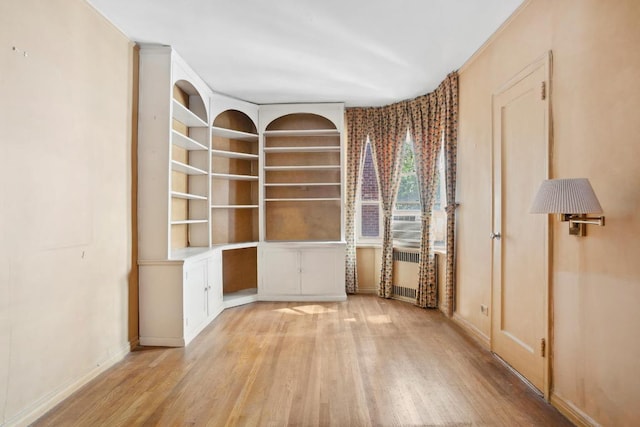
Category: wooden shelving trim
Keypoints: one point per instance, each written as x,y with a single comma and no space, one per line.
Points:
234,177
234,155
186,169
302,132
185,142
186,116
187,196
234,134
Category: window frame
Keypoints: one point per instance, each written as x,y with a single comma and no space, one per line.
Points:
360,239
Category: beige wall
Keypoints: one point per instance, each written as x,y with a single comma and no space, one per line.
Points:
368,262
65,191
595,279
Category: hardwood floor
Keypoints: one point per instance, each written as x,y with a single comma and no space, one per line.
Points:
364,362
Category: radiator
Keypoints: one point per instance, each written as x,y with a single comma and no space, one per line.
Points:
405,275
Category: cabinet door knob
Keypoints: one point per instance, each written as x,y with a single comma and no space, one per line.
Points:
495,236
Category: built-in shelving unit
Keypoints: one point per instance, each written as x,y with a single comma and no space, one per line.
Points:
180,274
230,193
234,206
301,256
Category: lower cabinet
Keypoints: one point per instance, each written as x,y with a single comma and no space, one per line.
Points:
301,272
179,298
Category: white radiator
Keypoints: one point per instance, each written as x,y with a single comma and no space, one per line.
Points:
405,274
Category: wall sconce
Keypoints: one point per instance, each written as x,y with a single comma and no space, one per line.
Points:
573,199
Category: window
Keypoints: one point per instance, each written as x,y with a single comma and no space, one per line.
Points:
438,214
369,200
407,213
406,210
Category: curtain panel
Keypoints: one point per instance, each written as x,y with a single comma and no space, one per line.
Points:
426,135
389,130
448,99
357,131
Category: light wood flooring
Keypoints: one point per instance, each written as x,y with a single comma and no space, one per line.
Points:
364,362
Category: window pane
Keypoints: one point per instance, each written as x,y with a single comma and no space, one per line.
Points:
407,158
370,217
369,186
408,195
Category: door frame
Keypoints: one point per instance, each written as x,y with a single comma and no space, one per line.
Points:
545,61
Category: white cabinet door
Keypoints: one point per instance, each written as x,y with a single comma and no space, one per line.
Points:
214,289
281,271
195,290
302,273
317,271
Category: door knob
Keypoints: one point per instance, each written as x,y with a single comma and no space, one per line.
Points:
495,235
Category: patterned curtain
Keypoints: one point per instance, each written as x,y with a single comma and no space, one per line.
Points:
427,137
448,100
432,119
357,126
388,132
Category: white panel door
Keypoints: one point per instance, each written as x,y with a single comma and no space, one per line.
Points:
520,239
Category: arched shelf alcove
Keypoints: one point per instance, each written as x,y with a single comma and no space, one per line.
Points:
302,178
189,216
234,201
234,178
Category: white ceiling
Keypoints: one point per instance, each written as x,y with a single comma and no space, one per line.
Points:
361,52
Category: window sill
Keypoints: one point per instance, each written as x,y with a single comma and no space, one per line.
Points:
373,245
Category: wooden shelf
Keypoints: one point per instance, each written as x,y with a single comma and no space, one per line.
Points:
299,149
234,155
233,177
302,132
304,199
187,196
301,184
185,142
234,206
234,134
189,221
186,116
187,169
302,167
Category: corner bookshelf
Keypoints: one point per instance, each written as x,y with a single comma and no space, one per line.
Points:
234,196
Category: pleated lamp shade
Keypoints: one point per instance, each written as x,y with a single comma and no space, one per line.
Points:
566,196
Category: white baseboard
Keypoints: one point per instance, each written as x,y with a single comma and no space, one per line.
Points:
47,402
570,411
472,331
